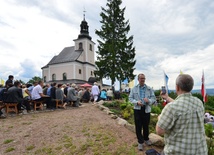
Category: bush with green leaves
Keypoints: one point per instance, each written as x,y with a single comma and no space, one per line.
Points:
156,109
209,133
127,112
125,97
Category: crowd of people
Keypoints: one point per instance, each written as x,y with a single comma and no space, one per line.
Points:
25,94
181,120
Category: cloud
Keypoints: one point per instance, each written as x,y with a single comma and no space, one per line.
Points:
168,35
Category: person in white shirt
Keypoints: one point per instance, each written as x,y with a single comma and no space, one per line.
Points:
37,95
95,91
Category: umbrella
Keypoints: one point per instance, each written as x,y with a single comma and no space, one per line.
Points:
85,85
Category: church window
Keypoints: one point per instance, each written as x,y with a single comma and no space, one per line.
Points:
90,47
64,76
80,46
80,72
53,77
44,78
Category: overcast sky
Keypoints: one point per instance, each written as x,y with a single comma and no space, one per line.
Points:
169,35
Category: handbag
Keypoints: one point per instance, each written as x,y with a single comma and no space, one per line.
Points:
152,152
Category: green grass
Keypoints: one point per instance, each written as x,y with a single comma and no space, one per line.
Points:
26,123
9,149
31,147
8,141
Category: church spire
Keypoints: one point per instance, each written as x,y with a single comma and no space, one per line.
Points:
84,14
84,28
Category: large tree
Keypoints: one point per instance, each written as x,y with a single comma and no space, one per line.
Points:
116,54
34,79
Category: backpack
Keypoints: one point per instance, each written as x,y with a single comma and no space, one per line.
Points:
152,152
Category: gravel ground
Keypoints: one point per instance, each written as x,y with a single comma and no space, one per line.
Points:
84,130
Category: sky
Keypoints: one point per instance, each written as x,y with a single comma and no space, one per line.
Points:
169,36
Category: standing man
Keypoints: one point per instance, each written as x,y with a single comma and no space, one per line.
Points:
95,91
182,121
142,97
9,81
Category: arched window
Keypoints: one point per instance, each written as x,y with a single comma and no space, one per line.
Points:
80,71
80,46
53,77
64,76
44,79
90,47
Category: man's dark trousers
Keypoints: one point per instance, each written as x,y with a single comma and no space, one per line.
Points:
142,120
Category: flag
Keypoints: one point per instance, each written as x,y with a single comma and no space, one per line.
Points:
2,81
203,89
131,84
125,81
166,79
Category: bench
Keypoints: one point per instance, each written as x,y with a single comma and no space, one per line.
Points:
11,107
59,103
37,105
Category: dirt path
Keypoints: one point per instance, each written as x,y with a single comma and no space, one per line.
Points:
82,131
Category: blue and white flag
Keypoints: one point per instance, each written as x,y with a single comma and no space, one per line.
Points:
166,79
125,81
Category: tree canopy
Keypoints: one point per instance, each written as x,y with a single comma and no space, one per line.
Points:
116,54
35,78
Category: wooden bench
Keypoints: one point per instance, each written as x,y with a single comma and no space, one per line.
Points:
59,103
11,107
37,105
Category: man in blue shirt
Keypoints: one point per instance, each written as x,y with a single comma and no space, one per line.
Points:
142,97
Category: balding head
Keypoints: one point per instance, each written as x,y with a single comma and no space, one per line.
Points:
185,82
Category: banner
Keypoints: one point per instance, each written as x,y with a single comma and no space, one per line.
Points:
166,79
131,84
2,82
203,89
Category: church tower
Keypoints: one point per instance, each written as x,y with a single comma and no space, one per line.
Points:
74,64
85,44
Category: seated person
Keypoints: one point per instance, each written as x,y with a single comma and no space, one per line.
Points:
37,95
14,95
26,94
72,96
103,95
53,94
61,96
86,96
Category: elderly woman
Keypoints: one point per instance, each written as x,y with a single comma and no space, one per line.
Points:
60,95
72,96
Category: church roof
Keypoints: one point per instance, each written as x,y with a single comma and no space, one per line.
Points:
68,54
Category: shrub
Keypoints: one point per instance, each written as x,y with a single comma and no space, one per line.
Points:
127,112
125,97
156,109
209,133
123,106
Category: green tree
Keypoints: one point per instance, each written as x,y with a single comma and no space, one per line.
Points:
22,82
35,78
116,54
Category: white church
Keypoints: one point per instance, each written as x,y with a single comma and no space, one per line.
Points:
74,64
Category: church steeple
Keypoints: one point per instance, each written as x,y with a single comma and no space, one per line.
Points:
84,29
